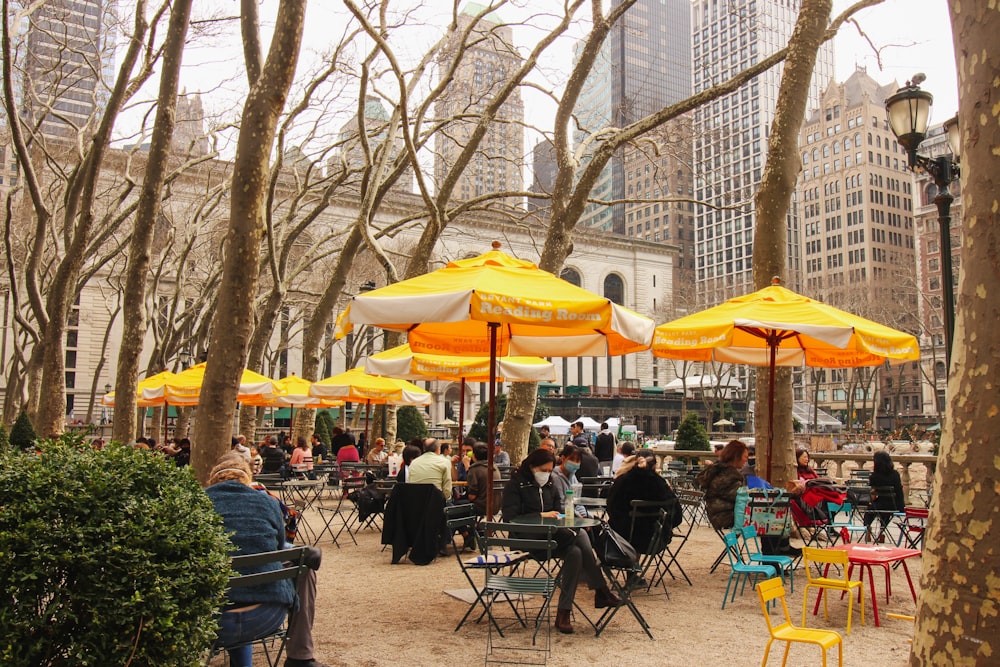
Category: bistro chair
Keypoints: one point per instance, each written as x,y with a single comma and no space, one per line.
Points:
516,590
741,570
771,590
783,564
826,558
293,565
914,524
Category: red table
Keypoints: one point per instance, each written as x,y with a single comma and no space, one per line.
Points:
865,556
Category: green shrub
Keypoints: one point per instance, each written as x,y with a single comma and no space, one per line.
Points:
410,423
324,426
107,557
4,438
691,434
22,433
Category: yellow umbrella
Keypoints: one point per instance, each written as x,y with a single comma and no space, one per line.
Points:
186,386
777,327
402,362
294,393
497,305
357,386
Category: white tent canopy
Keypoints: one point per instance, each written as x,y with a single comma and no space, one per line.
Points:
588,423
557,425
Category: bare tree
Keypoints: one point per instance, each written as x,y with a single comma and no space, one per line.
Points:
134,297
233,319
957,615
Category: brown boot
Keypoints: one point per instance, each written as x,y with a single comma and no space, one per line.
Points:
605,598
563,624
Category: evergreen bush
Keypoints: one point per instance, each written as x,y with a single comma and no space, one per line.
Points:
410,423
108,557
324,426
4,438
691,434
22,433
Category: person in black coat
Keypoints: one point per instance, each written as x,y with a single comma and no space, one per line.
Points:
884,476
530,492
642,482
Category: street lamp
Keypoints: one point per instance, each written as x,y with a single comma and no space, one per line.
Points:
909,111
185,358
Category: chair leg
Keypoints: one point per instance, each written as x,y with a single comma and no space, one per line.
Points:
784,660
767,651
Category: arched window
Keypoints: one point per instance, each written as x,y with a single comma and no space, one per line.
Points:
614,289
571,276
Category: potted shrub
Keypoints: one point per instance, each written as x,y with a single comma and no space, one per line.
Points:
107,557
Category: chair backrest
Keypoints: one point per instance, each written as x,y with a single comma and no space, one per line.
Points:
768,591
292,563
836,557
460,516
538,540
916,513
749,534
647,511
732,541
884,499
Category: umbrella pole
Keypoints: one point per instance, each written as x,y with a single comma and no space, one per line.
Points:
491,420
461,410
166,409
772,343
291,424
368,418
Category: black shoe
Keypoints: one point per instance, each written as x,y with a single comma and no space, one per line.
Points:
443,551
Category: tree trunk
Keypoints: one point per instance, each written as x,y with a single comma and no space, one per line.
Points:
233,320
134,297
517,420
771,235
957,615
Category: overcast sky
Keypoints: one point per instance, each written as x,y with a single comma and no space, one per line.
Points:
910,35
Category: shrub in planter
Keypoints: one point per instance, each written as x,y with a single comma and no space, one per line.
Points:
107,557
691,435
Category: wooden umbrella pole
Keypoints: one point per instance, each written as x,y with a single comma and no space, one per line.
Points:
491,420
461,410
368,417
772,342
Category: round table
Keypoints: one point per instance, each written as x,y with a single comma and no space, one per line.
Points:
575,522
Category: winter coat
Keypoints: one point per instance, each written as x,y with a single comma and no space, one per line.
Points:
720,482
478,483
522,496
640,484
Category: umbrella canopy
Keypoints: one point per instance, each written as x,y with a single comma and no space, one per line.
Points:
497,305
185,387
449,311
359,387
402,362
293,393
724,422
775,326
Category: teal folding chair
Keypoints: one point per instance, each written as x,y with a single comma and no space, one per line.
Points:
741,571
784,564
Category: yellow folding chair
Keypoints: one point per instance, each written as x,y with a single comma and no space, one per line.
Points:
771,590
826,558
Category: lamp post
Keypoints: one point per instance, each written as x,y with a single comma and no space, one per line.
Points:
909,112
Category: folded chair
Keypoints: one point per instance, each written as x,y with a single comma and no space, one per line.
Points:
343,509
826,558
516,590
845,530
463,519
293,565
915,522
771,590
681,533
741,570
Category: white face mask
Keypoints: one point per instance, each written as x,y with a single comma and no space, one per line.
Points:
541,478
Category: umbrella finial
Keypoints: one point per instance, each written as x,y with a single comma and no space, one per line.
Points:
497,245
775,280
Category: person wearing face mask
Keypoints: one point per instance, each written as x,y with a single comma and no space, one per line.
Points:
531,492
564,474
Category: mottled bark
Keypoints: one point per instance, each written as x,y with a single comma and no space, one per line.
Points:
959,606
134,297
770,243
233,320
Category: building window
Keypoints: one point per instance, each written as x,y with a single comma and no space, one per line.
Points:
614,289
571,276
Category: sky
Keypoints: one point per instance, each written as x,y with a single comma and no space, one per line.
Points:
910,36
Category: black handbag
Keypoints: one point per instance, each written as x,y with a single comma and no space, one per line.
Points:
614,550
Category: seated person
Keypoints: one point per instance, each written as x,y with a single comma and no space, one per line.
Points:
884,475
530,492
377,455
564,475
641,482
625,450
431,468
256,525
720,482
479,479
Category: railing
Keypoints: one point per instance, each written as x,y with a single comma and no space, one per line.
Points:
853,461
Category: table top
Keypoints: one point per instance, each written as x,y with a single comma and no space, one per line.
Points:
591,502
876,553
576,521
305,483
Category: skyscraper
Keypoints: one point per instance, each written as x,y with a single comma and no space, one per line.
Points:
644,66
68,65
484,69
857,237
731,135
